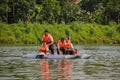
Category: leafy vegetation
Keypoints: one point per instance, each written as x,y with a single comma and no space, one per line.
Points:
84,21
79,33
58,11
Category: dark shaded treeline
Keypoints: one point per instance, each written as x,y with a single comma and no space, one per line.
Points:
57,11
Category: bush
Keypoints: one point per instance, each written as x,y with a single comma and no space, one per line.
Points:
79,33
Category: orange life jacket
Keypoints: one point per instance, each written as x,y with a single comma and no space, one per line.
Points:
62,44
68,44
44,49
46,38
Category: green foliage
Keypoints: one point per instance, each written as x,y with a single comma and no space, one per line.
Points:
79,33
58,11
118,28
6,35
113,7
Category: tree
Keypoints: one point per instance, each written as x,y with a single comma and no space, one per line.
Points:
69,10
112,10
24,10
50,11
93,9
4,9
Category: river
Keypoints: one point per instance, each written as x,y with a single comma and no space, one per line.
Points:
104,64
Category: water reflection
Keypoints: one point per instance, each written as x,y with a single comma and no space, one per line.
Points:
45,70
104,64
63,69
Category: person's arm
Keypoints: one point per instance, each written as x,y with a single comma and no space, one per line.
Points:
42,40
71,45
52,41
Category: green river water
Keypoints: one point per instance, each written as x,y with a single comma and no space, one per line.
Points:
104,64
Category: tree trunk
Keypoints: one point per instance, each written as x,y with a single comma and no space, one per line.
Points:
13,10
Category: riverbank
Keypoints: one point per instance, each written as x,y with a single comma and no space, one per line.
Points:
79,33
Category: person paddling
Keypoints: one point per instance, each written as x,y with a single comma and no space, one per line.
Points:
47,37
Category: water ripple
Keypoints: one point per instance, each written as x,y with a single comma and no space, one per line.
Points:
104,64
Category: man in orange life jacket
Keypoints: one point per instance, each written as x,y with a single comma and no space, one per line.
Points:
47,37
61,46
69,46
